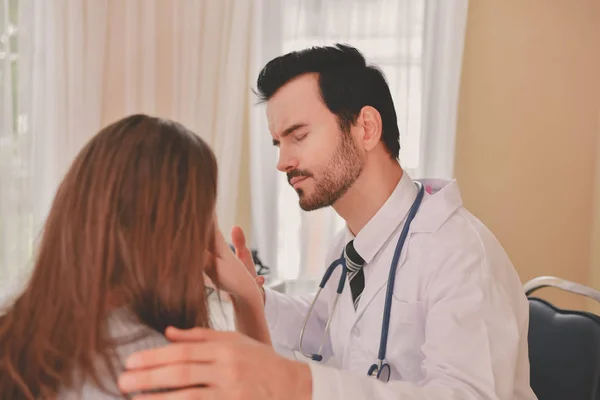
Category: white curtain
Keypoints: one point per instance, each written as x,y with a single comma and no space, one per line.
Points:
189,61
418,44
85,63
14,189
266,44
444,33
62,49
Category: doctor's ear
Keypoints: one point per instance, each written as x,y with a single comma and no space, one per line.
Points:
369,120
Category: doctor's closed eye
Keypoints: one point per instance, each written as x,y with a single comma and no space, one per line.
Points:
297,138
301,137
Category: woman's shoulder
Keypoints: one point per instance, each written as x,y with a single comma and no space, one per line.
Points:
129,336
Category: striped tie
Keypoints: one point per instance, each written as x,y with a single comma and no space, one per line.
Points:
356,275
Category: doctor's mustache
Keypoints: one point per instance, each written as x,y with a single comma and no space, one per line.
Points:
298,172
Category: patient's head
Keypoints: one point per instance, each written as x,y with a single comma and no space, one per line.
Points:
132,224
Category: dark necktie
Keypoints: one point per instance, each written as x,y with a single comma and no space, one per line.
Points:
356,275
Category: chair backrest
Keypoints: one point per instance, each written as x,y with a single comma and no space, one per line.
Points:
564,352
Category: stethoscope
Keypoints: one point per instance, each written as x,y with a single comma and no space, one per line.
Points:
381,369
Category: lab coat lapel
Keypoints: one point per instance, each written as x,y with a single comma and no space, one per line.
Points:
378,280
378,233
342,319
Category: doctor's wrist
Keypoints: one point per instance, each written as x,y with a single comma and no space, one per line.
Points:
303,378
293,381
250,295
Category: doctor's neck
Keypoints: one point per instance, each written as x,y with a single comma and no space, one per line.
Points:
370,191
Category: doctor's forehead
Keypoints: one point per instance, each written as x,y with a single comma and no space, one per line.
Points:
297,102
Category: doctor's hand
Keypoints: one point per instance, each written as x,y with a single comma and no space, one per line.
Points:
232,275
207,364
238,239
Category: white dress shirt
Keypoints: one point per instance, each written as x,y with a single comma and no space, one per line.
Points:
459,316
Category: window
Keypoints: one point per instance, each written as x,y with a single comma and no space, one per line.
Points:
8,69
15,218
390,34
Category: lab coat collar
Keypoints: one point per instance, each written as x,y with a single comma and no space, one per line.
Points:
441,200
380,227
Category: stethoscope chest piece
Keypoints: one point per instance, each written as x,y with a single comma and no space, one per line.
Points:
381,372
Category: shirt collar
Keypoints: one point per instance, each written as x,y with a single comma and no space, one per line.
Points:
382,225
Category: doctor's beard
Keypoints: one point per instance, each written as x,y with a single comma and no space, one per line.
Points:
334,180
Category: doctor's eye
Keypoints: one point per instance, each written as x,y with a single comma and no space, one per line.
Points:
301,137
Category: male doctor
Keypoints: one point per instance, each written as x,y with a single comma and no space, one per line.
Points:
459,317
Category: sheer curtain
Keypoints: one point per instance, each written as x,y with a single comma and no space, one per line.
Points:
418,45
56,106
57,83
15,206
85,63
189,61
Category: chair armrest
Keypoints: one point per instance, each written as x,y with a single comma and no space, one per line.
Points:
551,281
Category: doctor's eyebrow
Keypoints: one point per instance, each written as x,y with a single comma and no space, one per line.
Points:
288,131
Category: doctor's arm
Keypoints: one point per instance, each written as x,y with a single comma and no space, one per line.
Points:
470,348
285,317
284,314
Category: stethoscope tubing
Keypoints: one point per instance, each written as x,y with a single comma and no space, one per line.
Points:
385,324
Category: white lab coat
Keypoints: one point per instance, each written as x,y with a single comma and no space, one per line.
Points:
459,316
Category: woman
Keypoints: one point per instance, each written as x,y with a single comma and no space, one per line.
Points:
124,252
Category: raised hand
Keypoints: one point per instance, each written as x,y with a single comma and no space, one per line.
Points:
238,238
232,274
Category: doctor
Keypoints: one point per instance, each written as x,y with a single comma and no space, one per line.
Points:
449,322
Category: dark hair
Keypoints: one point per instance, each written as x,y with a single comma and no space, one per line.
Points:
132,216
346,82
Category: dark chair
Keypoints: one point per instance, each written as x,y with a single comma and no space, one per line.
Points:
564,345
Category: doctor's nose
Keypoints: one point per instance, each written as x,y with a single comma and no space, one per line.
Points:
286,163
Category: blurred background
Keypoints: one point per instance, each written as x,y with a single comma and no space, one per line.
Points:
503,96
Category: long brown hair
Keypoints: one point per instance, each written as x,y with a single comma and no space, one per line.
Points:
134,215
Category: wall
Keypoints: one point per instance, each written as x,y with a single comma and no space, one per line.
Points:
595,250
528,134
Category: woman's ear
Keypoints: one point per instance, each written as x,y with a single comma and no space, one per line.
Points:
370,120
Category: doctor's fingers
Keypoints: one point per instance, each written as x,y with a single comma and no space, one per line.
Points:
201,334
221,247
175,376
238,238
204,393
175,353
184,394
242,251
